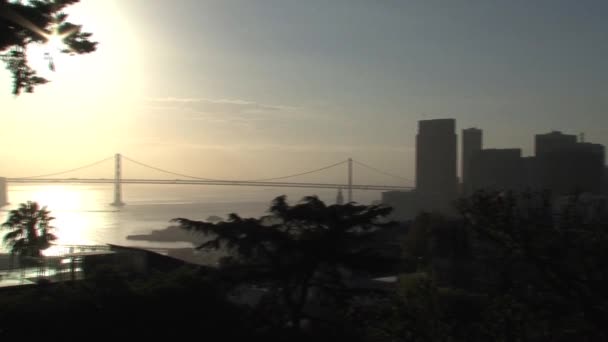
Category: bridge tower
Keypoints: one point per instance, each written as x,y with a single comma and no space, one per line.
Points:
3,192
117,182
350,180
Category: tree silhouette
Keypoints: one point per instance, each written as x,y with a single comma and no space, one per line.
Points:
28,22
544,264
29,228
302,253
512,267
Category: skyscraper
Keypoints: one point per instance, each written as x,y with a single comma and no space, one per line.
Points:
575,168
436,160
471,143
564,165
497,169
551,142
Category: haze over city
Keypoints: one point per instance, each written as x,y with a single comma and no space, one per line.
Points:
253,88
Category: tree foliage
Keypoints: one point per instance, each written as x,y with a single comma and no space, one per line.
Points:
512,267
300,253
170,306
33,22
548,262
30,230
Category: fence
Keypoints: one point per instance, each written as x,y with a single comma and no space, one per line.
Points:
60,263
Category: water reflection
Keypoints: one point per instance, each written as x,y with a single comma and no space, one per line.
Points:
83,214
67,204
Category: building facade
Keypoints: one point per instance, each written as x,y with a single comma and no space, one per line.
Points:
472,142
551,142
498,169
436,163
572,168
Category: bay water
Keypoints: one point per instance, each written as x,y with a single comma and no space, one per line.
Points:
83,214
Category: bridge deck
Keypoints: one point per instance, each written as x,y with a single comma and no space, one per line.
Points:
208,182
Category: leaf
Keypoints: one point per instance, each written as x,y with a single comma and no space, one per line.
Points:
30,228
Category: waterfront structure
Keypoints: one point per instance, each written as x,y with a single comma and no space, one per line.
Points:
340,197
406,204
3,192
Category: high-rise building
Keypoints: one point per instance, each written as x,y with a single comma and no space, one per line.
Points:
436,162
551,142
605,182
498,169
471,143
577,167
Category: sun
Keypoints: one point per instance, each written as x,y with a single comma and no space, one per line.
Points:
54,42
96,92
54,46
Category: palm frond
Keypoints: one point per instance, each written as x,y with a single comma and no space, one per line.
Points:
30,229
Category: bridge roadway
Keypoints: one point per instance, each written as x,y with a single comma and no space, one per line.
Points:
206,182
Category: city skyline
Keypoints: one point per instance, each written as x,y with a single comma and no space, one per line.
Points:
457,157
308,83
562,165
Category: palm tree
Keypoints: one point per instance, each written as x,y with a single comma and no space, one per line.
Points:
29,230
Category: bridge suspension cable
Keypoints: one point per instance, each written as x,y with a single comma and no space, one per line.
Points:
382,172
71,170
233,180
299,174
167,171
221,180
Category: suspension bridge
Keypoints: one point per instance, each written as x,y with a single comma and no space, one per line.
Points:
184,179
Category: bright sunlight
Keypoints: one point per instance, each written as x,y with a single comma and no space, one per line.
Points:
90,98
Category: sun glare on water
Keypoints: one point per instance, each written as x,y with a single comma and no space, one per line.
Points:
65,204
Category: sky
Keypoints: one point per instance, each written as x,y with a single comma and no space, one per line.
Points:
245,89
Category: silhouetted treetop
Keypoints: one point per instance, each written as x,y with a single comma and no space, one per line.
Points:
301,252
25,22
29,230
550,258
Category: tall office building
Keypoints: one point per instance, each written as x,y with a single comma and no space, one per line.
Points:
498,169
551,142
436,162
578,167
564,165
605,182
471,143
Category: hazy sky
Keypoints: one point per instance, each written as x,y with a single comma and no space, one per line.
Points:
261,88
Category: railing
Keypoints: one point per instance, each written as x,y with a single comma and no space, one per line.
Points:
59,263
59,250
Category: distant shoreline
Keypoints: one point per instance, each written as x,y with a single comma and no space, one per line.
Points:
169,234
